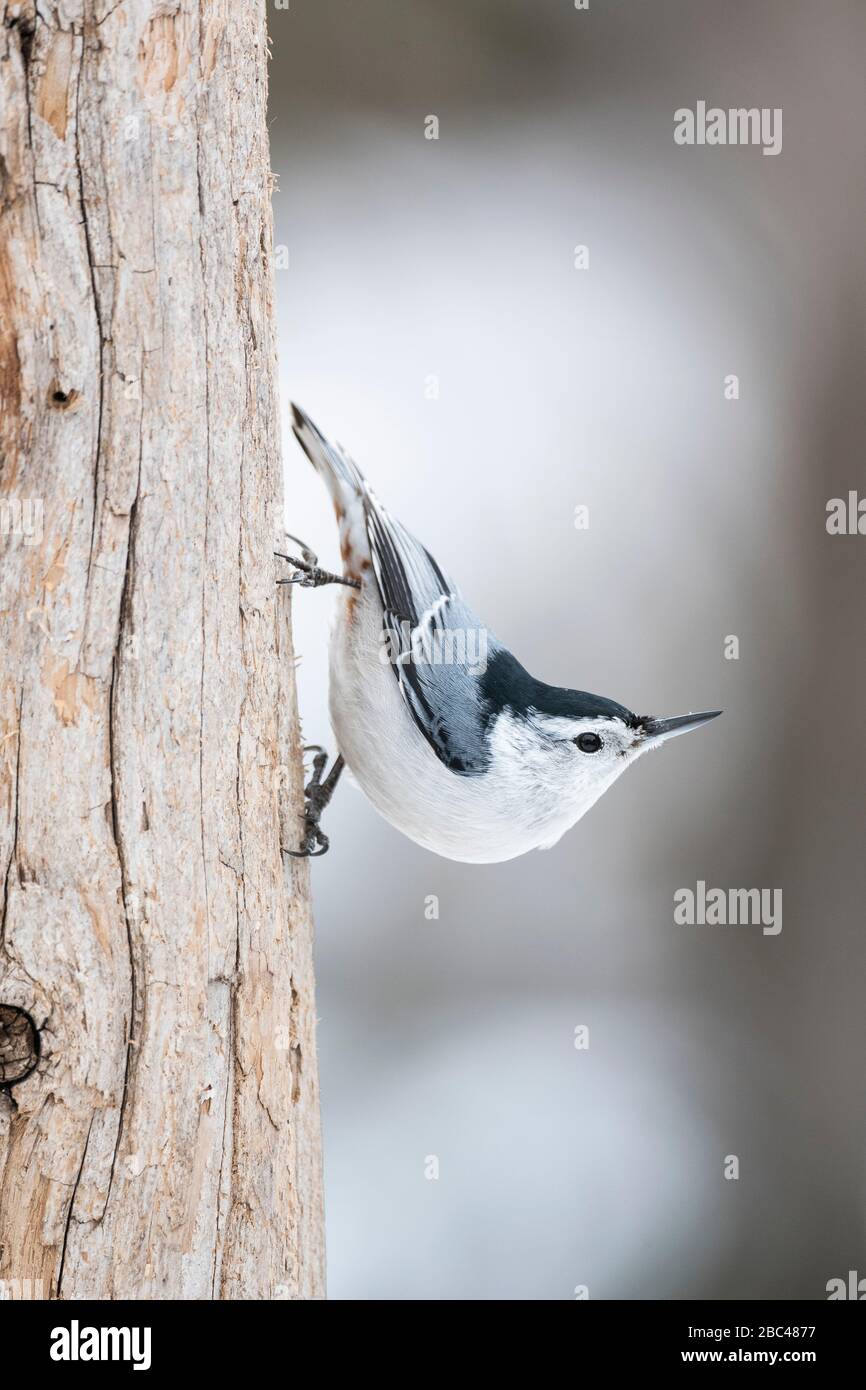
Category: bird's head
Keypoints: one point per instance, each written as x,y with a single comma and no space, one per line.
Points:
568,746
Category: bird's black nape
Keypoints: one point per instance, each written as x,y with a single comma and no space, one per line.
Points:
507,685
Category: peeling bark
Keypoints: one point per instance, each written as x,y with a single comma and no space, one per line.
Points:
167,1144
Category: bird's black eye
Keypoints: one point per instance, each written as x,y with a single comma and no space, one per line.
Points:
588,743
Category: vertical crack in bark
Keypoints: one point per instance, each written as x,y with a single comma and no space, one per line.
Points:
136,1003
26,23
97,307
216,1266
241,893
13,853
296,1053
71,1207
233,1067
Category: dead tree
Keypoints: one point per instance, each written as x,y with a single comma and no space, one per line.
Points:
159,1128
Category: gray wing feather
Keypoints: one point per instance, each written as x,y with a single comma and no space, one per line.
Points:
438,647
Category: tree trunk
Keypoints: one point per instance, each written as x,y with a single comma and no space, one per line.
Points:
166,1145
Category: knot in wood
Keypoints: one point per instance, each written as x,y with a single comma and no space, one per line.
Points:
20,1046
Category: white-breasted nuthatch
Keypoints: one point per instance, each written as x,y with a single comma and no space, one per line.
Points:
450,738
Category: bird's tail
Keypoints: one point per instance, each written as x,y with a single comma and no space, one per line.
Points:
349,492
341,475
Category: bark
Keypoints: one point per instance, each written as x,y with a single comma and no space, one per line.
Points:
167,1143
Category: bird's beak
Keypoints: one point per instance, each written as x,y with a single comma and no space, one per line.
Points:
658,731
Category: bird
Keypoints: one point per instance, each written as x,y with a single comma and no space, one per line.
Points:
446,733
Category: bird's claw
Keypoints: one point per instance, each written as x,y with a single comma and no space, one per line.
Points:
309,576
310,573
317,794
315,842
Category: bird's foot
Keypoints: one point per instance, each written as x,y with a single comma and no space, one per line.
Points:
310,574
317,794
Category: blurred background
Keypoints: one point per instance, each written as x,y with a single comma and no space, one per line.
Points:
432,319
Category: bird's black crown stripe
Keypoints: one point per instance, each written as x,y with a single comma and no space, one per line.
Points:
507,685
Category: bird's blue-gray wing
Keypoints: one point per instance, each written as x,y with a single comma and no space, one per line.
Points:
437,647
